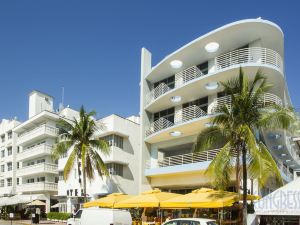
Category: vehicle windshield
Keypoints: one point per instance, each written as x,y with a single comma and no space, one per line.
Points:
211,223
78,214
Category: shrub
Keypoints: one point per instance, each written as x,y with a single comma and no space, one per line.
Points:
58,216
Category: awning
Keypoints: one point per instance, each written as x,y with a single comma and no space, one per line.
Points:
285,201
108,201
36,203
20,199
204,198
55,206
151,199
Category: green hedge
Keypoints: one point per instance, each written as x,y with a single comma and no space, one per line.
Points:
58,216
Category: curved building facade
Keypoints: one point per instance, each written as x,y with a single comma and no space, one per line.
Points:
182,93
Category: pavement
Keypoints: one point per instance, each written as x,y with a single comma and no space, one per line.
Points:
28,222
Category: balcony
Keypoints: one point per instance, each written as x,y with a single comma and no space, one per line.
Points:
182,116
117,155
190,162
190,120
37,169
37,187
39,132
34,152
254,56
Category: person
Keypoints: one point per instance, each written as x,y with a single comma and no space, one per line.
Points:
168,218
38,214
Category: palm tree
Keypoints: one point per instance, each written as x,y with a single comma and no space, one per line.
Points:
236,128
80,137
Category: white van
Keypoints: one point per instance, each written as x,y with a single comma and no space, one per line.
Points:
101,216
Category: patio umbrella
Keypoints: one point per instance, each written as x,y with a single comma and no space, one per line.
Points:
55,206
109,201
147,199
36,203
204,198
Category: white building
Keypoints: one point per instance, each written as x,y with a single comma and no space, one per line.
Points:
122,135
8,150
180,94
36,172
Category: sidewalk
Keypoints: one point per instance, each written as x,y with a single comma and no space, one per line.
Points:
28,222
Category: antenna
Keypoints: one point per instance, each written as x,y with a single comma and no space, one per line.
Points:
62,95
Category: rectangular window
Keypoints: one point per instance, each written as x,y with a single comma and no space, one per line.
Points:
61,175
114,140
9,151
30,163
30,180
115,169
9,182
170,82
9,166
2,168
201,102
2,183
41,179
40,161
9,135
18,181
168,114
2,153
3,138
203,67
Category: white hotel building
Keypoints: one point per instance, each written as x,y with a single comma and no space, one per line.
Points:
181,93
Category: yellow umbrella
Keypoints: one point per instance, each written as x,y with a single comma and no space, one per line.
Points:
147,199
203,198
36,203
108,202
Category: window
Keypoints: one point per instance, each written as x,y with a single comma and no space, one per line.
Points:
172,223
2,153
115,169
30,180
18,181
3,138
2,183
168,114
9,135
203,67
56,180
18,149
60,175
40,161
78,214
9,151
114,140
170,82
201,102
30,163
2,168
9,166
211,223
18,165
41,179
9,182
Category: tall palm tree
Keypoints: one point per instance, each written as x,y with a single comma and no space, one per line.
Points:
235,130
79,136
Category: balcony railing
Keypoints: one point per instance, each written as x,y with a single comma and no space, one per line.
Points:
34,151
38,186
257,55
43,129
37,168
265,100
181,116
183,159
285,171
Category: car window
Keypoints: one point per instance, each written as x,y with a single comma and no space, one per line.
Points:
171,223
211,223
184,222
78,214
195,223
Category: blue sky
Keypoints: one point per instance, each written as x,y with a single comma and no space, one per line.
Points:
92,48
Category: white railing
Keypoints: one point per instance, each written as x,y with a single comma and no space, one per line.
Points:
187,75
33,151
259,55
183,159
181,116
158,125
285,171
37,168
265,100
38,186
156,92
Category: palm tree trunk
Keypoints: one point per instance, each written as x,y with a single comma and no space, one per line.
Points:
244,161
84,185
237,173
